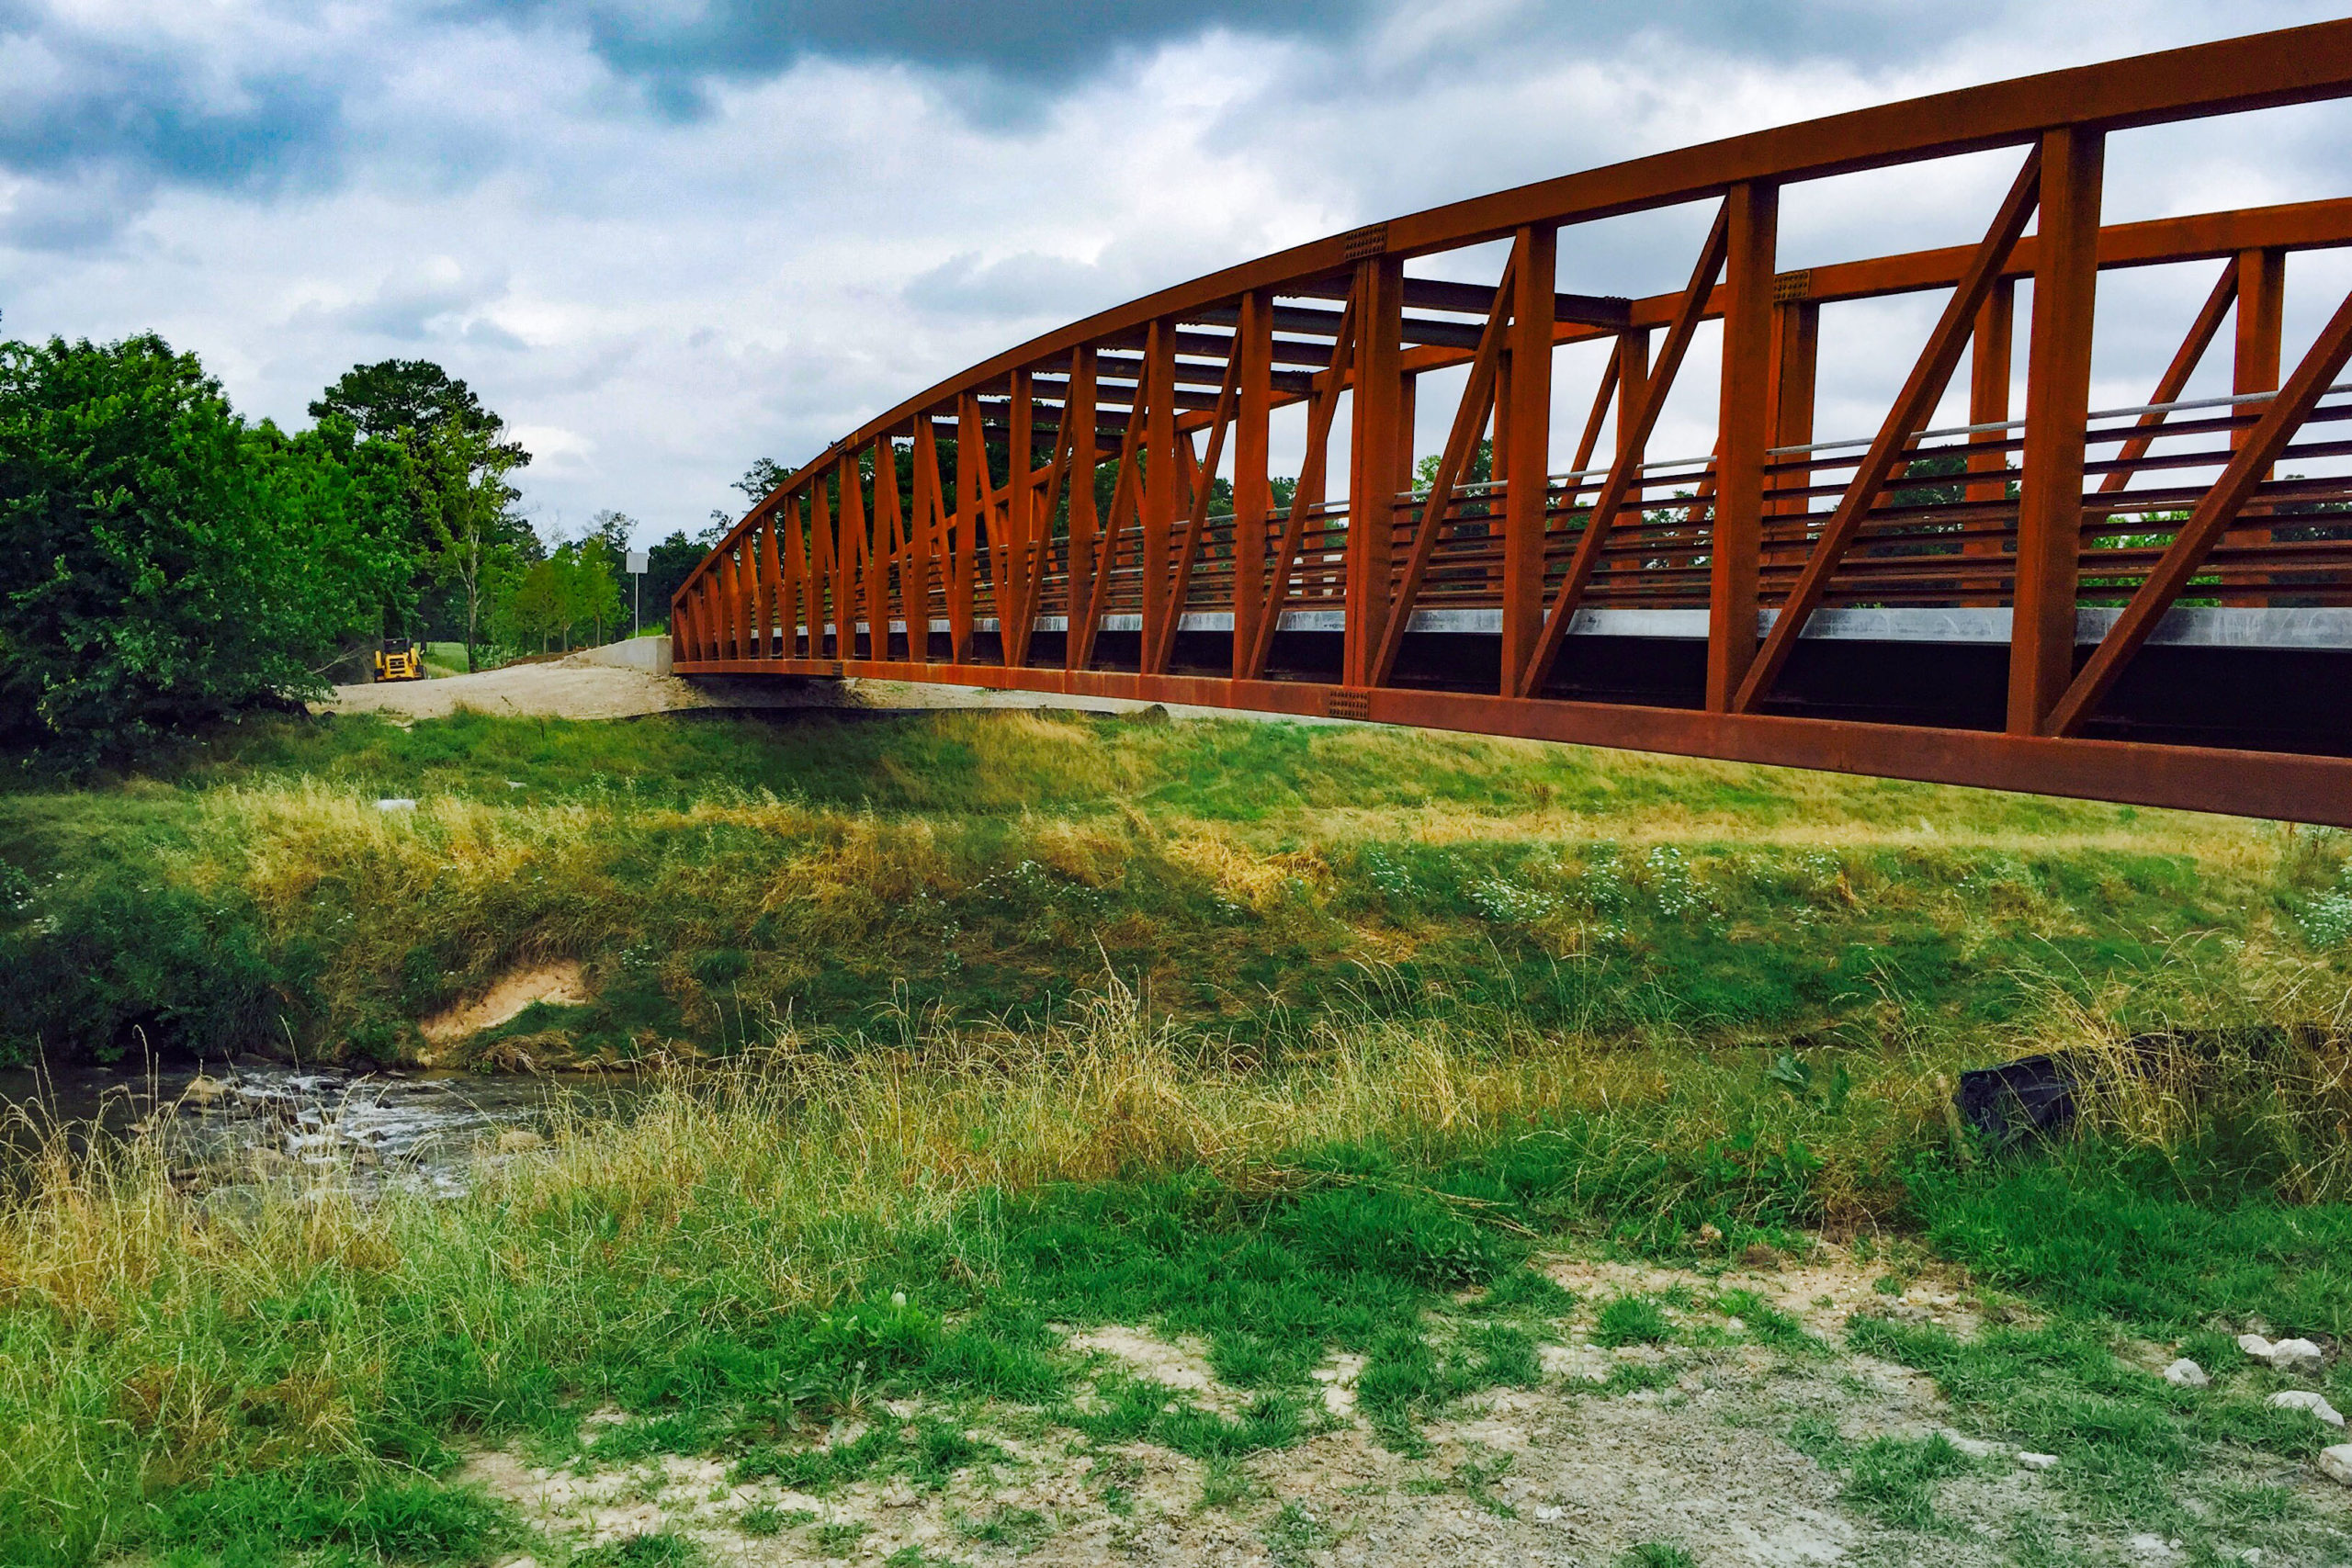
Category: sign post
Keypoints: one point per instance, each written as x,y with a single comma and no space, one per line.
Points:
636,563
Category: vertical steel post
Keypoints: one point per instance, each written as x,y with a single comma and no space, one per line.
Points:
1989,358
879,553
1523,445
1372,462
788,573
763,548
823,602
747,591
730,605
1796,363
1744,429
1408,388
1797,360
1253,343
849,537
1078,411
2057,408
1633,385
1014,619
1160,483
2262,288
922,544
963,558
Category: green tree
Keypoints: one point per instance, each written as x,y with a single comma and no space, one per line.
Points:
469,510
767,473
404,398
161,561
668,564
595,584
453,444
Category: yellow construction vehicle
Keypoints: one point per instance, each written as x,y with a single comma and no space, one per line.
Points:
399,659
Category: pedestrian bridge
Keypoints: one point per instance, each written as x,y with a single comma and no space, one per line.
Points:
2002,583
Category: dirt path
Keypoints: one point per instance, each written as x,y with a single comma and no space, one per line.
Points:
581,687
577,687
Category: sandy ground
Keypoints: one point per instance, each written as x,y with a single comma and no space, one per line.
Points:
579,687
576,687
562,983
1574,1473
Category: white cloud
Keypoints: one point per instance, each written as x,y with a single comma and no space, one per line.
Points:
661,297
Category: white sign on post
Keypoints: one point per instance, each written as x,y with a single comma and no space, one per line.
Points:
635,561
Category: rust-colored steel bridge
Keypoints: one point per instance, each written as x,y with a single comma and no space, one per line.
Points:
2149,603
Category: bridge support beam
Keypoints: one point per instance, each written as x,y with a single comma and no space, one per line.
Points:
1989,370
1253,344
1744,431
2057,409
1374,439
1077,414
1524,445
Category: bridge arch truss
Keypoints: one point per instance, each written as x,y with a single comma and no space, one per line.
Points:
2151,603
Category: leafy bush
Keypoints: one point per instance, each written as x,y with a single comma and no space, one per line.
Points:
161,561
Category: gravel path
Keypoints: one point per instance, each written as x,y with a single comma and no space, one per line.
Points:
580,686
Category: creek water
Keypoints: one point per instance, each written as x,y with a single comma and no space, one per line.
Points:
234,1128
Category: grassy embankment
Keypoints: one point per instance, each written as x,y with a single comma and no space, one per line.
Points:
714,877
1415,1007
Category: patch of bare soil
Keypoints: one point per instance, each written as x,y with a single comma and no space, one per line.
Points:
1686,1444
561,983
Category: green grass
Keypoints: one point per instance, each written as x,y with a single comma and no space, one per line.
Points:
1655,1554
1394,1012
713,873
1891,1479
1016,1529
2131,1446
2158,1240
1631,1320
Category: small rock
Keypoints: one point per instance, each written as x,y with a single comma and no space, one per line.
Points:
2335,1463
203,1090
2153,1548
2296,1358
2186,1373
1710,1236
395,803
1735,1325
520,1563
2037,1462
2302,1399
1547,1515
518,1140
2255,1346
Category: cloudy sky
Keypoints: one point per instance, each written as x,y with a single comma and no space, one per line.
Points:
664,237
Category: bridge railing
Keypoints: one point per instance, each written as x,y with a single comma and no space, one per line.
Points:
1095,509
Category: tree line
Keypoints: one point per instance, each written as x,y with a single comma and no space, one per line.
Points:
166,562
